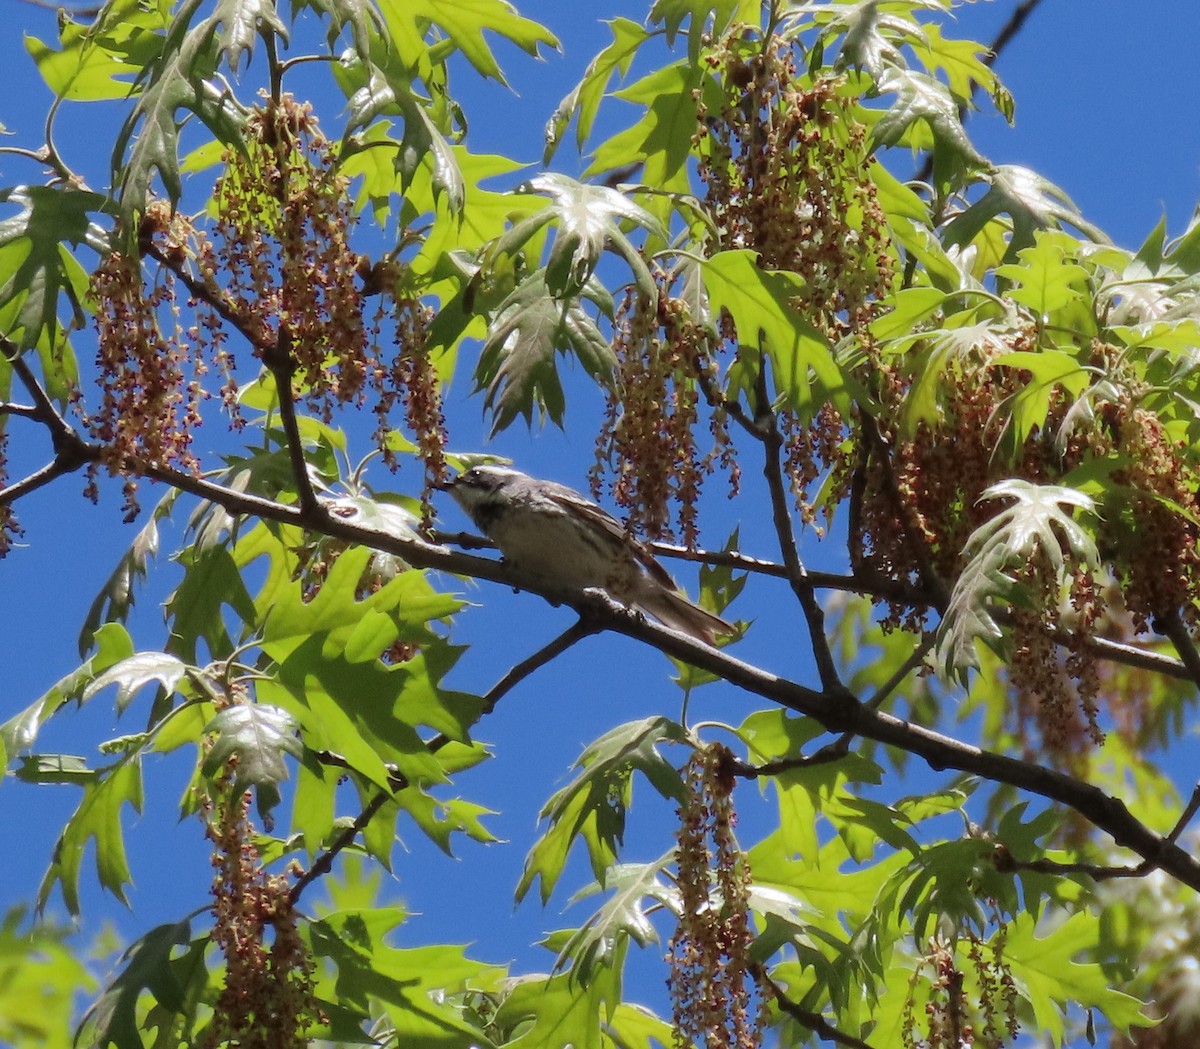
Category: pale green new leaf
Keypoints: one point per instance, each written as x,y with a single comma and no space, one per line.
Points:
96,820
41,981
599,941
558,1011
415,987
518,361
1039,522
587,222
705,18
135,673
1046,277
1051,978
594,804
661,141
962,63
256,738
101,60
1032,203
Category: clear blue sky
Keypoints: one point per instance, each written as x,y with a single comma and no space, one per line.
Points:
1105,109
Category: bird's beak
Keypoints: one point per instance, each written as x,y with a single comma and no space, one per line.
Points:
445,486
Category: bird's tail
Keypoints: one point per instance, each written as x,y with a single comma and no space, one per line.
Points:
673,609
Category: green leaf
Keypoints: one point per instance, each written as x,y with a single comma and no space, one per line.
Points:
116,1016
38,274
588,222
661,141
593,805
1050,979
41,980
241,23
962,63
705,18
255,738
1046,278
760,303
20,732
464,22
518,361
373,90
1035,523
558,1011
177,79
925,116
197,608
1050,370
415,987
116,598
584,100
101,60
98,819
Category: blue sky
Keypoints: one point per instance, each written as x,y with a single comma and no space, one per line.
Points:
1104,110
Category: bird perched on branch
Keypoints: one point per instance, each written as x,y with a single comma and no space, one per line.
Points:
564,541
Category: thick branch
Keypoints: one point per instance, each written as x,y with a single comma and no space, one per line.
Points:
836,711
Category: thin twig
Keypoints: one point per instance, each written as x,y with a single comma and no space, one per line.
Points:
323,864
884,691
31,483
797,576
1016,21
815,1022
27,411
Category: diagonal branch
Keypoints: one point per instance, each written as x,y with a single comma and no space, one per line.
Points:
837,711
797,577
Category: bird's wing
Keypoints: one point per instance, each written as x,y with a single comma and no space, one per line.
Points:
595,514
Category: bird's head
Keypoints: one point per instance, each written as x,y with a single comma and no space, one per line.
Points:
484,487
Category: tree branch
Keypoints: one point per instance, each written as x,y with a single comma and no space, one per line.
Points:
837,711
815,1022
1016,22
1172,626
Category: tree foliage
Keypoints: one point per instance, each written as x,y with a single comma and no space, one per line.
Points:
987,408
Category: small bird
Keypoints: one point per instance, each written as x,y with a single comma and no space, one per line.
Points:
564,541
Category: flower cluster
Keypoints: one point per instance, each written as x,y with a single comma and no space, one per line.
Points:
150,376
955,1017
787,173
283,234
664,368
410,377
710,980
267,1001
